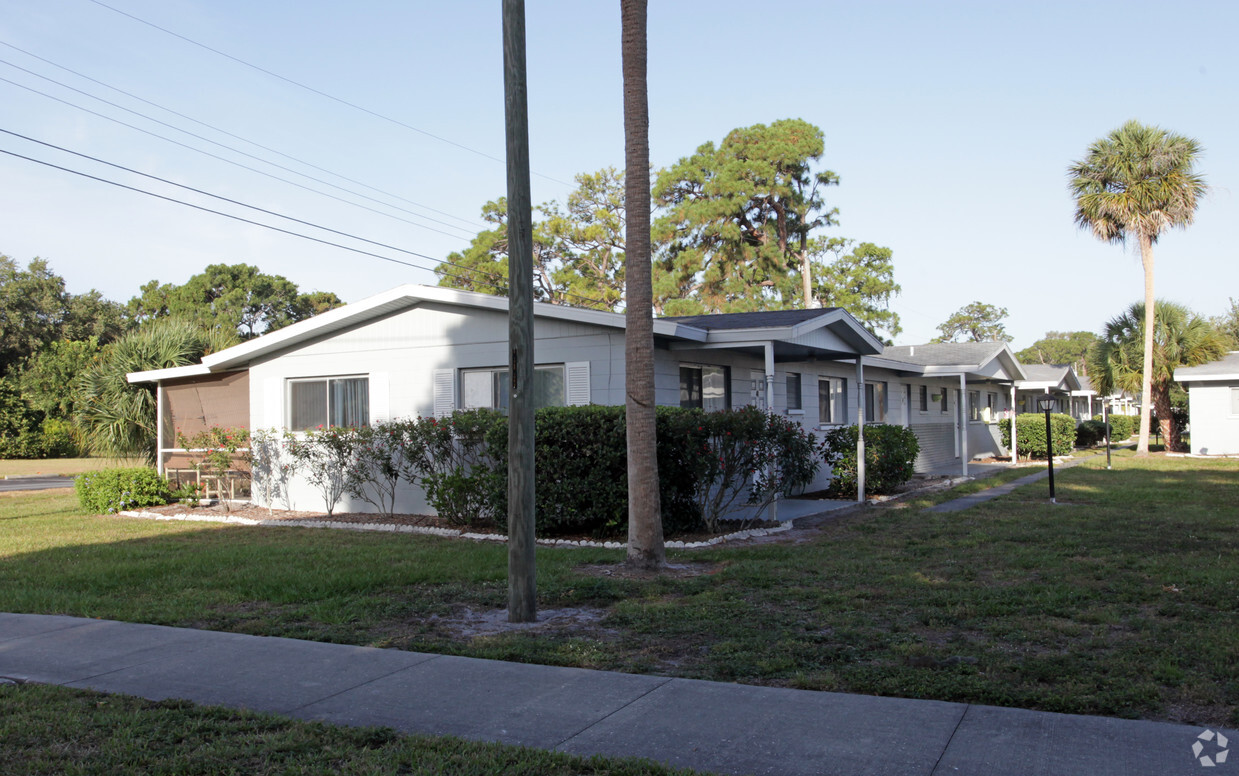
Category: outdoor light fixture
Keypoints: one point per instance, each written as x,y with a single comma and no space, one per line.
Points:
1045,403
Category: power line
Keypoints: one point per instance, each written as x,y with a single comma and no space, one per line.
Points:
230,134
311,89
229,148
242,204
242,219
499,281
232,161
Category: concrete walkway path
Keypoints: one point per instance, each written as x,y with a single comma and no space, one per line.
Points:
710,726
972,499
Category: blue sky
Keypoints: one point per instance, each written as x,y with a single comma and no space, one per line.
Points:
951,126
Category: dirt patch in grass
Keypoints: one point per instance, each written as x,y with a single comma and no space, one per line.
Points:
579,621
678,570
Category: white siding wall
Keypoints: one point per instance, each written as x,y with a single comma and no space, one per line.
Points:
400,354
1215,427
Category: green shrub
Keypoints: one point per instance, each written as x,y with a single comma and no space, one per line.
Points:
1090,432
1121,426
461,463
111,490
61,439
581,470
890,452
1031,428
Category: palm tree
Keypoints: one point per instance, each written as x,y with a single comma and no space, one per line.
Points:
645,528
1138,181
117,418
1180,338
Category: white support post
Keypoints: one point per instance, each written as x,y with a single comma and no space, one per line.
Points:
1014,435
159,427
860,429
963,422
768,351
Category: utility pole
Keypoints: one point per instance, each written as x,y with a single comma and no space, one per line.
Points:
522,589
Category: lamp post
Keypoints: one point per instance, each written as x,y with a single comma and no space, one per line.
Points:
1045,403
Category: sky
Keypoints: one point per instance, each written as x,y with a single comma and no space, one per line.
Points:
951,126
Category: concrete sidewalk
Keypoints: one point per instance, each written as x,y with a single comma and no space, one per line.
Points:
709,726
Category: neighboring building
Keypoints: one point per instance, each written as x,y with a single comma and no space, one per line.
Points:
1058,380
952,388
1213,405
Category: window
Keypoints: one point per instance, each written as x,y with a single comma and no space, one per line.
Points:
492,388
825,401
942,401
924,398
1234,401
974,405
875,402
328,401
793,391
706,387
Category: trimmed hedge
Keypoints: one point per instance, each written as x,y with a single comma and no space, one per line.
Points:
110,490
1121,426
1090,433
581,470
890,452
1032,433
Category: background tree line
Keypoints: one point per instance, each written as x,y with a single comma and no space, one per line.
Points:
737,227
64,357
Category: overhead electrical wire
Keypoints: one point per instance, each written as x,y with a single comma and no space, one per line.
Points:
242,219
499,281
230,148
241,204
229,161
311,89
212,127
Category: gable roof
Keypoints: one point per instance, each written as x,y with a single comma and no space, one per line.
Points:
979,359
1225,368
794,329
1060,377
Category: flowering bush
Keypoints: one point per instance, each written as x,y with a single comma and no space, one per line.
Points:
214,451
459,465
325,456
111,490
890,452
745,456
384,454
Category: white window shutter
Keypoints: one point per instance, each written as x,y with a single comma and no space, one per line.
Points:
380,399
445,392
577,379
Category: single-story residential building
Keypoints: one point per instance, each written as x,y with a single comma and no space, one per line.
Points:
421,350
1213,405
956,394
1058,380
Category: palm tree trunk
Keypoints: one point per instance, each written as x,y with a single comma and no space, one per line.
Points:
1146,379
645,528
1165,419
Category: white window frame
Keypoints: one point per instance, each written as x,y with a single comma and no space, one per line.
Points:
327,380
875,410
798,379
1234,400
494,373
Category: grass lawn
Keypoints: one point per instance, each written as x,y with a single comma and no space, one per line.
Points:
1121,600
49,731
24,467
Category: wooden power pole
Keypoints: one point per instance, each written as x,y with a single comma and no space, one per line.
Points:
522,590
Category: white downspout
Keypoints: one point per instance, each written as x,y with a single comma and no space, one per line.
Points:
860,429
963,422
